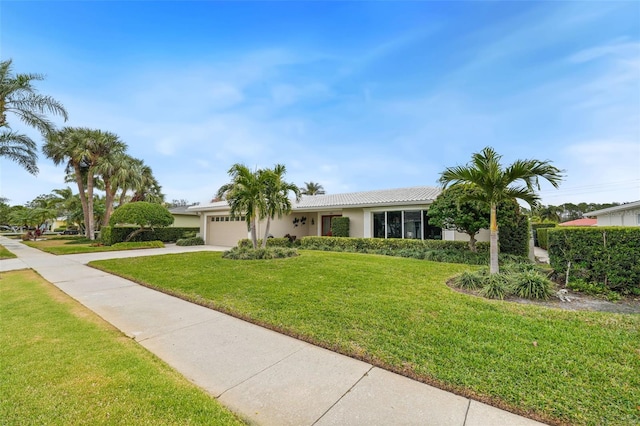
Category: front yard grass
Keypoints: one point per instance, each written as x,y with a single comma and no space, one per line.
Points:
63,365
6,254
75,245
559,366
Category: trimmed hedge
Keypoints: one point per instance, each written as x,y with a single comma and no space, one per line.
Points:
375,244
193,241
110,235
271,242
340,226
603,255
534,230
543,238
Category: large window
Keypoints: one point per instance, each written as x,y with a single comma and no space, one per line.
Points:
409,224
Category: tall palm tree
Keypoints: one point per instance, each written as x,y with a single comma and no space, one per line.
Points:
276,195
147,188
244,194
517,181
313,188
19,96
83,149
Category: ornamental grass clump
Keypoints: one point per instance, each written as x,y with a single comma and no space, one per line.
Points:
496,286
470,280
531,285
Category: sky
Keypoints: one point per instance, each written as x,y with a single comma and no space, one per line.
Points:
356,96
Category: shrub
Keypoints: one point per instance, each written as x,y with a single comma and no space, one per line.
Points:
543,238
248,253
138,244
531,285
271,242
470,280
537,226
496,286
116,234
605,255
340,226
193,241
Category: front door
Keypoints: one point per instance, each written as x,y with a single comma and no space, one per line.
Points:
326,224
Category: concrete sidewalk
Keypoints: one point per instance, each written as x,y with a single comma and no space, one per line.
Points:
265,377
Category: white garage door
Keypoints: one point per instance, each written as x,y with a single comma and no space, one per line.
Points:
226,230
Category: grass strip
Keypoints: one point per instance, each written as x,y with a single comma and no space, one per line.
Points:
70,246
6,254
563,367
62,365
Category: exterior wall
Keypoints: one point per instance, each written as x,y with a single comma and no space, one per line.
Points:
282,226
356,222
620,218
185,221
449,235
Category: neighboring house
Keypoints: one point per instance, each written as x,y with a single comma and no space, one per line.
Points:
624,215
184,218
391,213
580,222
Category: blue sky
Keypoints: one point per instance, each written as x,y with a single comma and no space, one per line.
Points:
353,95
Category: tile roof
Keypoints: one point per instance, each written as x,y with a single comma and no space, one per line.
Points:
580,222
383,197
627,206
415,195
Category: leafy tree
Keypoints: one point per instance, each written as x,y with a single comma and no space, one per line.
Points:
20,97
276,195
497,183
313,188
244,194
144,214
457,208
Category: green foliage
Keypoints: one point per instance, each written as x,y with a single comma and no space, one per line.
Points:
249,253
138,244
110,235
271,242
455,209
605,255
513,229
340,226
543,237
143,214
531,285
496,286
593,289
534,229
470,280
193,241
364,245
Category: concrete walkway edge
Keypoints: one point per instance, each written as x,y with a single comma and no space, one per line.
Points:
265,377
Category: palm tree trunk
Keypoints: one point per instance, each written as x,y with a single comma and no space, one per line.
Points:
110,195
83,197
90,220
254,236
494,268
266,233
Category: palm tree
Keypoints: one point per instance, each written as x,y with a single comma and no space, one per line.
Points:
18,96
276,195
83,150
244,194
496,184
147,187
313,188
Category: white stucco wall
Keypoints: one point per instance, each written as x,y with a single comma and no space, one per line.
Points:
621,218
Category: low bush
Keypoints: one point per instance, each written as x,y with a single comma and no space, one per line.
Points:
368,245
593,289
469,280
495,286
138,244
193,241
531,285
271,242
248,253
340,226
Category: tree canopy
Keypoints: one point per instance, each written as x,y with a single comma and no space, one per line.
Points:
143,214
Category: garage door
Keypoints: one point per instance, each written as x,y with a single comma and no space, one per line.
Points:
226,230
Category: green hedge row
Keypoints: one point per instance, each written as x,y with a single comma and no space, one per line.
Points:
371,244
110,235
534,229
543,238
603,255
271,242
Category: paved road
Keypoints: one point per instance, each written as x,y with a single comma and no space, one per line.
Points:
265,377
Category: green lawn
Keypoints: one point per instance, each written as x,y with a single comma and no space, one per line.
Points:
62,365
71,245
560,366
6,254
